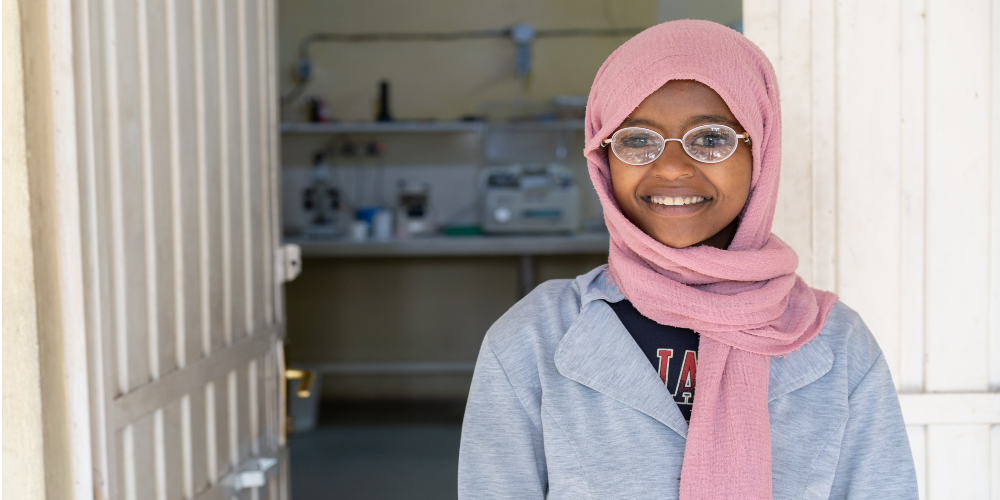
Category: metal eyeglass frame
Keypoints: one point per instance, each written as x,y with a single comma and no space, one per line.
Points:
745,137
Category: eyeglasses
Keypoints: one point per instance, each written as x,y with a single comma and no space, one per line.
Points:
707,144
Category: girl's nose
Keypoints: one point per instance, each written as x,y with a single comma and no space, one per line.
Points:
673,163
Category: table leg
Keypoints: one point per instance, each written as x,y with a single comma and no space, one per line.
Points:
527,273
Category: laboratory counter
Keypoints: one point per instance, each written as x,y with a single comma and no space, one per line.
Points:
457,246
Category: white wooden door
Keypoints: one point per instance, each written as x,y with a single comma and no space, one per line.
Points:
891,196
176,128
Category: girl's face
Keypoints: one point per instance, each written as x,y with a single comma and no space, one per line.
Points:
642,190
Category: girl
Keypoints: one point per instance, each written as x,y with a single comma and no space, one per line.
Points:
586,387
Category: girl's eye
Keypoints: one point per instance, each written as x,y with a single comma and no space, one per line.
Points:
710,140
637,141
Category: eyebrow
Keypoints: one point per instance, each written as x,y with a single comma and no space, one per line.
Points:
637,122
705,119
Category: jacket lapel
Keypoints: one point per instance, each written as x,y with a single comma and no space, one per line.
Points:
799,368
598,352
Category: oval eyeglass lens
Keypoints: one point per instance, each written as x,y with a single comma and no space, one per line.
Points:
636,146
711,143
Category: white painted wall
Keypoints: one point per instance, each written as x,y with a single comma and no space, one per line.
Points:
23,457
891,196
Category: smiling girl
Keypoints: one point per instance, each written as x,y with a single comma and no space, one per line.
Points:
696,364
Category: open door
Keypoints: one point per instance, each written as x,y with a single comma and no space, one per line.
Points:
176,106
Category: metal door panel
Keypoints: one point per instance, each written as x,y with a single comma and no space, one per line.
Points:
176,130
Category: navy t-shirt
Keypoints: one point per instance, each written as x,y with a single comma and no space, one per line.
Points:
672,351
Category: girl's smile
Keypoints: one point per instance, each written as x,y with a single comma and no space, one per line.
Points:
676,205
677,200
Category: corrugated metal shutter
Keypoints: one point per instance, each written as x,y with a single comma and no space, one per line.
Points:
176,113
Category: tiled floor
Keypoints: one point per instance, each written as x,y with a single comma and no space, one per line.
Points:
377,453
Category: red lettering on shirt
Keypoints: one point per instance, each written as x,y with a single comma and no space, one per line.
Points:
664,355
685,383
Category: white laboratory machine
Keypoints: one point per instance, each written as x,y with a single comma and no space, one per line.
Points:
528,198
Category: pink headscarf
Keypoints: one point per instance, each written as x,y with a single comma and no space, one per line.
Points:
746,302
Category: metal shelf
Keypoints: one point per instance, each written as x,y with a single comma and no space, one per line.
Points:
458,246
380,127
536,126
423,127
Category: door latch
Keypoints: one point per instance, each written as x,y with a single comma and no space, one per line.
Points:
288,263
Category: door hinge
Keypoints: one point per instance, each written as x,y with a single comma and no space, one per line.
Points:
288,262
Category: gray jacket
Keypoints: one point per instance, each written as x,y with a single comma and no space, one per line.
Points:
564,404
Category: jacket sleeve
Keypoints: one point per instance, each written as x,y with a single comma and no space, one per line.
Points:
875,458
501,454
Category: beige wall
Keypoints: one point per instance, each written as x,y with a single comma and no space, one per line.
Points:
446,80
23,462
45,412
384,310
728,12
49,266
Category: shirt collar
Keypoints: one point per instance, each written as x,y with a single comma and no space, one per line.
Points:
597,285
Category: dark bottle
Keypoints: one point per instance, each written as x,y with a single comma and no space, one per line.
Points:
383,102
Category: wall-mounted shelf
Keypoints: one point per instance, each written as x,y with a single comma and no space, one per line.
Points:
423,127
458,246
380,127
537,126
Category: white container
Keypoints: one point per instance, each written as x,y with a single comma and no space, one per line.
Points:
359,230
382,225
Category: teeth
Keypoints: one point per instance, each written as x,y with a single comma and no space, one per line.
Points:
673,201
